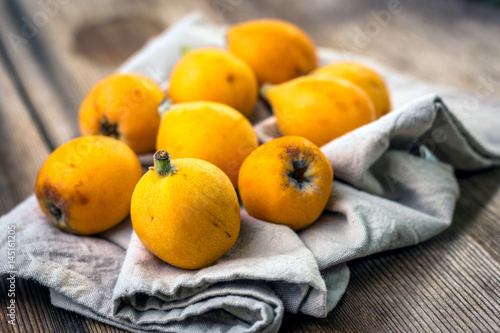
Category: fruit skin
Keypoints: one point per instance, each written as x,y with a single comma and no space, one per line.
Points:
188,219
270,184
365,78
277,51
209,131
129,101
90,180
210,74
320,108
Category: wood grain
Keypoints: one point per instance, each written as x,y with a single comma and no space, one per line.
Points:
60,60
449,283
23,151
19,166
453,43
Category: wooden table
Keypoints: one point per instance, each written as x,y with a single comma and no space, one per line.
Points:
51,55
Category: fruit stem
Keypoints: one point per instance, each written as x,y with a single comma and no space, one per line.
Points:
164,106
185,49
162,165
264,91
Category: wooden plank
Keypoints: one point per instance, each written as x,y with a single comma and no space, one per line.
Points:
39,92
480,201
55,69
447,284
78,45
23,151
434,41
22,148
60,51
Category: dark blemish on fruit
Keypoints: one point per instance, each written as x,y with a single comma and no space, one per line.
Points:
342,106
230,78
138,94
218,226
79,184
72,165
292,151
53,195
215,217
81,198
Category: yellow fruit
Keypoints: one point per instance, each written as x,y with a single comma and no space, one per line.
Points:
210,74
320,108
124,107
277,51
365,78
85,186
209,131
185,211
286,181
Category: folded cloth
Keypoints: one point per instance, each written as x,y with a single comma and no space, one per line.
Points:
394,187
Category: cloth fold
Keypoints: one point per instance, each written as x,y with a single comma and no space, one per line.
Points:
394,186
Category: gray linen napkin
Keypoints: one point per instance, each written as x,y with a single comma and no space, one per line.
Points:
397,188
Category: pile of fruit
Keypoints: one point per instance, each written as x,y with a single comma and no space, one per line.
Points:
185,209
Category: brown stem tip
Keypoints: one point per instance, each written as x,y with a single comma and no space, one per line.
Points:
162,155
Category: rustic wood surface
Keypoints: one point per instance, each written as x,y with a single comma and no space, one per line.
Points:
450,283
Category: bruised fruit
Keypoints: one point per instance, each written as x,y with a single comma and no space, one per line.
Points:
124,107
276,50
85,186
209,131
215,75
185,211
365,78
286,181
320,108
